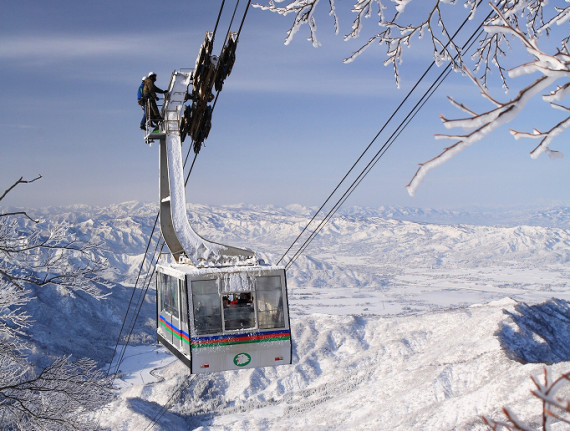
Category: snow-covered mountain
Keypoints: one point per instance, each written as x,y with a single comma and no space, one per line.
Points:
401,319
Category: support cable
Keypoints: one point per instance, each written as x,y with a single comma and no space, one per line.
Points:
388,143
243,19
394,112
232,20
382,150
140,302
134,290
218,21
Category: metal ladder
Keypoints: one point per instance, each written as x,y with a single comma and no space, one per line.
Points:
172,110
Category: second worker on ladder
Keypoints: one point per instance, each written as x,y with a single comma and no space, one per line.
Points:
149,94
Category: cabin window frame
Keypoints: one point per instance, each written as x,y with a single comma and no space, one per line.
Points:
169,295
267,306
205,322
237,315
267,317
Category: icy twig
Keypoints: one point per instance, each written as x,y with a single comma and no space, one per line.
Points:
304,15
9,189
547,138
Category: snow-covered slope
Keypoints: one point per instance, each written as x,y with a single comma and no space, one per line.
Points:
401,319
435,371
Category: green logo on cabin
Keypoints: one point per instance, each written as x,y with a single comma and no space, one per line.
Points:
242,359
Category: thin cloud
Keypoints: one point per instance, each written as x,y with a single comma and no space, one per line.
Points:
19,126
62,47
326,86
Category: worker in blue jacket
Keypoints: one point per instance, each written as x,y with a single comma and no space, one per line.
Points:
149,94
142,102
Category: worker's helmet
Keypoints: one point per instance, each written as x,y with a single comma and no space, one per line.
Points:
151,74
143,78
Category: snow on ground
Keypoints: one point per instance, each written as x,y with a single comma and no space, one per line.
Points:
440,370
132,374
396,324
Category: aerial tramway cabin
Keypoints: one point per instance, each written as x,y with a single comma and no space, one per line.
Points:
224,319
218,307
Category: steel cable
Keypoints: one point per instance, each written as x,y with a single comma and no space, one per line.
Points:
382,150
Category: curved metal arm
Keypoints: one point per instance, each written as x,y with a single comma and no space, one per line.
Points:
181,239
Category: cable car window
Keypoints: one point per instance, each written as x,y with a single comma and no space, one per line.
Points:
270,302
184,304
169,294
207,310
239,312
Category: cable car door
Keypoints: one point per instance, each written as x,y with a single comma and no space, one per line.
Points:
170,310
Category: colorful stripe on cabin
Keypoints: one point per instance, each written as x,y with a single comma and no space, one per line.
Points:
226,340
242,338
178,333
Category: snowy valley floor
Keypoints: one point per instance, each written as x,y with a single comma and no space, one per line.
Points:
396,325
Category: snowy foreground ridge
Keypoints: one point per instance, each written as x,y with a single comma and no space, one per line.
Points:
401,320
438,371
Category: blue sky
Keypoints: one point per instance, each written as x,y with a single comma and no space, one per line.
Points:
288,124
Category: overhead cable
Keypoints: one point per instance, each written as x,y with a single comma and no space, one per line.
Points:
382,150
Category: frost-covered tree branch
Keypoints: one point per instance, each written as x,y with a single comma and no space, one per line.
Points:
19,181
304,15
546,138
402,22
397,27
56,397
48,257
553,67
480,125
9,189
33,256
553,406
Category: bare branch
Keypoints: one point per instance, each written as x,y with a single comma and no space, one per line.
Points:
516,422
24,213
553,67
20,181
556,416
461,106
396,33
9,189
45,256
